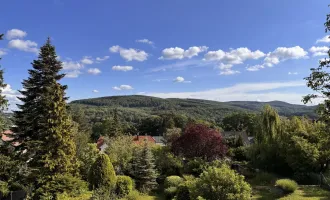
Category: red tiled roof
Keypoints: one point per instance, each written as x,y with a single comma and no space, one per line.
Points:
138,139
6,136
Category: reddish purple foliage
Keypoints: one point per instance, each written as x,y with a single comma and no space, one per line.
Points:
200,141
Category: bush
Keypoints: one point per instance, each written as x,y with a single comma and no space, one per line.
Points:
172,181
166,162
3,188
194,167
102,174
240,153
124,185
287,185
183,192
68,184
170,192
221,183
65,196
134,195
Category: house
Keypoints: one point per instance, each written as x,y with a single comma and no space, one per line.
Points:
159,140
100,144
236,134
6,136
140,139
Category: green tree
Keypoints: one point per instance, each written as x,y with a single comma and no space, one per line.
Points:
221,184
86,157
102,175
239,121
144,171
44,128
120,151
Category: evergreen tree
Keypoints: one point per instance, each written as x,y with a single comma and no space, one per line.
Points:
102,175
144,169
44,128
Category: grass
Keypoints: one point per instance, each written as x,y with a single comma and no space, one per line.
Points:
302,193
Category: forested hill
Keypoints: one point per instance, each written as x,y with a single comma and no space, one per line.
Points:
195,108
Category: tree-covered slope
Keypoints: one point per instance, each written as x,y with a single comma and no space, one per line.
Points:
136,105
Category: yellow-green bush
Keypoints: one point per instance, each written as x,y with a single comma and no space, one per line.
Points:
287,185
124,185
221,183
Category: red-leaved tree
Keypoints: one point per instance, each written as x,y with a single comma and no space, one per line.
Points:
200,141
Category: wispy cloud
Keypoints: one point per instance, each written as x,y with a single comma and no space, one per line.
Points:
243,92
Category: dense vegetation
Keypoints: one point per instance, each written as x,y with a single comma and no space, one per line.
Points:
136,106
53,155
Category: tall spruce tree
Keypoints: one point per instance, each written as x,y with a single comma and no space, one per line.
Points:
144,170
43,126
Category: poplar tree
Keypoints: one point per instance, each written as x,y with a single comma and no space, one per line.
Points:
43,127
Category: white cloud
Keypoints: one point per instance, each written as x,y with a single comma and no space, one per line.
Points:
179,53
94,71
181,65
255,68
23,45
123,87
11,96
100,59
122,68
15,33
72,74
235,56
224,66
319,51
87,60
130,54
284,53
325,39
293,73
3,52
95,91
244,92
146,41
159,80
71,65
179,79
229,72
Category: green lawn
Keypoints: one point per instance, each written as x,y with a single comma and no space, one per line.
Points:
303,193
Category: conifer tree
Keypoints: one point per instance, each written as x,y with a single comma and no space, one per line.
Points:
102,175
3,100
144,169
44,128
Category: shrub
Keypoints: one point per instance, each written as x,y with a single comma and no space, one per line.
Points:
170,192
221,183
65,196
182,192
194,167
3,188
172,181
240,153
68,184
102,174
166,162
124,185
287,185
134,195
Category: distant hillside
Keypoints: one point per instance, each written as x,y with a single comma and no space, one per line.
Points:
137,105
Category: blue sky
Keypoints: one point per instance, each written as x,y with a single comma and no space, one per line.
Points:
221,50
